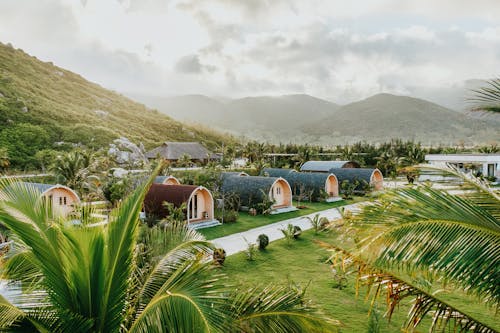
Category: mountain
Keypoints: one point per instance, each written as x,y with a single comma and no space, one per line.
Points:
54,107
384,116
273,118
307,119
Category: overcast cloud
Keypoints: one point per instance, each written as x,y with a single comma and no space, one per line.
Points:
338,50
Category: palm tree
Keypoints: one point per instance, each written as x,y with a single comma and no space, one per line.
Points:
431,233
4,159
95,278
486,98
72,168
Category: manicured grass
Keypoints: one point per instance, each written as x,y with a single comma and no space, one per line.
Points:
303,262
247,222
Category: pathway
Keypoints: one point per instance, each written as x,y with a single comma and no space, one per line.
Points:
236,242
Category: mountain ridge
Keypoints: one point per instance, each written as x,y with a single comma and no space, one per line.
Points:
304,118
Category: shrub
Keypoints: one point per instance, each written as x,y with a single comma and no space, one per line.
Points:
318,223
219,256
288,233
263,241
348,188
291,232
250,251
297,231
229,216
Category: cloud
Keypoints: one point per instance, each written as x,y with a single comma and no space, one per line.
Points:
332,49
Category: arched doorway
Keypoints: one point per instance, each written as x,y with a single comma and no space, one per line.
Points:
377,180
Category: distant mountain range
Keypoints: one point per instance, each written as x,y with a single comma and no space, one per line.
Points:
304,118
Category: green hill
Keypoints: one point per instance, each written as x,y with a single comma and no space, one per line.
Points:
384,116
43,106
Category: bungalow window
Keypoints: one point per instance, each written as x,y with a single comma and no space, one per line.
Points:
278,190
60,201
65,202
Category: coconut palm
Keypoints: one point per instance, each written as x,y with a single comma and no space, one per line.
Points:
72,168
486,98
108,278
4,159
429,232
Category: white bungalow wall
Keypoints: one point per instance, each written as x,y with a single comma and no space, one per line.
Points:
200,206
63,201
332,187
280,194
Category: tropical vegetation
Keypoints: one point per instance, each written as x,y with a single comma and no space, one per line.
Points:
124,277
487,97
429,235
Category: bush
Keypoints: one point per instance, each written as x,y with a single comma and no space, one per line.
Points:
348,188
250,251
219,256
229,216
263,241
292,232
318,223
297,231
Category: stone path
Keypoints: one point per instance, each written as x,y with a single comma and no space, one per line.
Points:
236,242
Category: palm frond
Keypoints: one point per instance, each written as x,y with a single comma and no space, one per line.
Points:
183,294
468,255
472,188
423,203
9,314
121,240
444,316
381,282
31,219
276,309
486,98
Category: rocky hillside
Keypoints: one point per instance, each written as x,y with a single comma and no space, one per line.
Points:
43,106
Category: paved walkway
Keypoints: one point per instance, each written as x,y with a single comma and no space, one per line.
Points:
236,242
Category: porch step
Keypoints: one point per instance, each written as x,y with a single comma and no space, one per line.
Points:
283,210
333,199
204,224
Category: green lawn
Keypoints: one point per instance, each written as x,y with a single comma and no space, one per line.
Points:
303,262
247,222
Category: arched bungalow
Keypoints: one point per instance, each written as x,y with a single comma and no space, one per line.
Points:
373,177
255,189
167,180
62,198
308,182
225,175
325,166
198,199
276,172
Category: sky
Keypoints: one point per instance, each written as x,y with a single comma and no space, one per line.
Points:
334,49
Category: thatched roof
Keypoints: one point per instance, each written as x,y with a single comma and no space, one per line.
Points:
175,150
351,174
159,193
325,166
224,175
300,181
250,189
276,172
307,182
